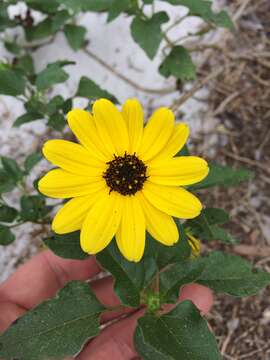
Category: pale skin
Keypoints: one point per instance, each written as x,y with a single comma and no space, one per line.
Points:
42,276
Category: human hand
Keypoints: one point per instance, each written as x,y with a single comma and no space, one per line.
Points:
42,276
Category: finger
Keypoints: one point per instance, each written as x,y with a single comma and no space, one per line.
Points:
117,339
42,276
200,295
9,313
115,342
104,290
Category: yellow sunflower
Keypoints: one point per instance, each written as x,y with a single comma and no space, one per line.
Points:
123,177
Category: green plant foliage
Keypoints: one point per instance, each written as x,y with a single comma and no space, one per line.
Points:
12,168
223,176
180,334
26,118
203,9
130,278
50,6
7,213
7,183
6,236
53,74
33,208
57,121
87,5
75,35
147,32
11,82
67,246
32,160
90,90
12,47
178,64
117,7
55,329
232,275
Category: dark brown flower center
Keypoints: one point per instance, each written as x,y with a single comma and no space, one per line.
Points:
125,174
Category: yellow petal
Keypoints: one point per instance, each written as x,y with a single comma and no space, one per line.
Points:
130,236
183,170
71,216
133,115
101,222
172,200
156,133
82,124
111,127
73,158
61,184
160,225
175,143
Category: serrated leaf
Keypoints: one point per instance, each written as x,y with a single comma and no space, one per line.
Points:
180,334
203,9
178,64
57,328
223,176
12,168
57,121
7,213
90,90
66,246
6,238
26,118
53,74
75,35
176,276
7,183
11,83
130,278
165,255
232,275
32,160
147,33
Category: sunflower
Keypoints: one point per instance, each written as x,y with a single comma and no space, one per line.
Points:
123,178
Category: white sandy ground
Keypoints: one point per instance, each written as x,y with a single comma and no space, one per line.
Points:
113,43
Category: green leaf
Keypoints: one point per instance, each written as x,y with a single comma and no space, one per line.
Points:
165,255
232,275
33,208
147,33
5,21
53,74
7,213
180,334
75,35
11,83
7,183
50,6
6,238
67,106
55,104
32,160
12,168
66,246
57,122
176,276
26,118
25,63
60,19
203,9
205,226
130,278
40,31
86,5
57,328
90,90
178,64
117,7
12,47
223,176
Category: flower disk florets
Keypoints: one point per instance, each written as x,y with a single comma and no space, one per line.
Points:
125,174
